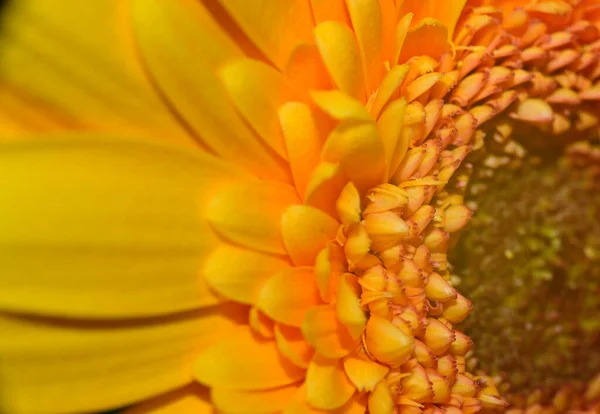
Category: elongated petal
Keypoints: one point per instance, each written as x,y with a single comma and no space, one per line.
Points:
327,386
302,141
58,73
288,295
105,227
242,361
340,54
191,399
250,214
325,332
169,32
292,345
258,90
363,372
239,273
253,402
306,230
288,22
76,366
348,308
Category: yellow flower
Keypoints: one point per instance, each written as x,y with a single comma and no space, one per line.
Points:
247,205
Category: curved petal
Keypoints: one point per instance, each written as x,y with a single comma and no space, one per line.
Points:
306,230
239,273
288,295
447,12
191,399
275,26
292,345
250,214
105,227
57,72
169,33
325,332
253,402
76,366
242,361
327,386
429,37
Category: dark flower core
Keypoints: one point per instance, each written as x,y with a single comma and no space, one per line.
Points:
530,262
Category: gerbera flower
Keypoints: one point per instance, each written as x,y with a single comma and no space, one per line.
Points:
246,206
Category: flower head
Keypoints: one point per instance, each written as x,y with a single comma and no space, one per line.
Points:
288,249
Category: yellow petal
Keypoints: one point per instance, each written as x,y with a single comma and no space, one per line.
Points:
252,402
242,361
325,333
302,142
288,295
355,146
387,342
77,366
169,33
306,230
349,311
97,222
380,400
389,85
58,73
325,184
191,399
363,372
390,129
327,386
341,106
340,54
446,12
292,345
429,37
289,23
239,273
258,90
367,23
250,214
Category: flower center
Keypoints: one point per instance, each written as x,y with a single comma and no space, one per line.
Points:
530,263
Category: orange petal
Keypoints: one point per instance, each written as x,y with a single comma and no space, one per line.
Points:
302,142
325,185
325,333
364,373
257,91
367,24
223,365
290,23
288,295
292,345
239,273
305,231
429,37
355,146
327,386
349,311
250,214
390,129
252,402
381,400
340,53
387,342
261,323
446,12
389,85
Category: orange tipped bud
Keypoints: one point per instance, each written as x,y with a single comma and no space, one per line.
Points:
447,366
348,205
421,219
385,230
424,355
492,401
431,156
456,217
440,385
593,390
458,309
387,342
421,85
438,337
436,240
409,164
417,386
471,405
439,289
468,88
561,399
392,258
461,364
413,320
461,345
433,109
465,128
357,244
465,386
416,197
410,274
561,59
482,113
373,279
422,258
535,111
386,197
